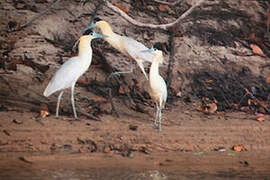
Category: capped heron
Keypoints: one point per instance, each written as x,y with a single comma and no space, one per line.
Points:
126,45
71,70
157,84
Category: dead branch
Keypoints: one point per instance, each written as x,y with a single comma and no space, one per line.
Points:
152,26
39,15
168,3
171,59
113,111
89,116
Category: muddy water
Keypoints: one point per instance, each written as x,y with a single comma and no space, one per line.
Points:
98,166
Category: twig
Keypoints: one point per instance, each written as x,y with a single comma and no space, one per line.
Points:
8,84
113,111
171,60
90,116
168,3
39,15
153,26
98,7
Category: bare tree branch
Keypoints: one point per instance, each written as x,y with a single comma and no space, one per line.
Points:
168,3
171,60
152,26
39,15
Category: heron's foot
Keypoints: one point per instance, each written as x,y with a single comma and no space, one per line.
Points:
60,118
118,74
73,119
155,125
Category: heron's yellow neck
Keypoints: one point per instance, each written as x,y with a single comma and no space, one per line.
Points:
85,47
105,28
154,69
113,39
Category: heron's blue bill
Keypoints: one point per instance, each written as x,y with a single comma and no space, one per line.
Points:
90,26
148,50
96,35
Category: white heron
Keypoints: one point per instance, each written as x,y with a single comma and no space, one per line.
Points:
127,46
71,70
157,84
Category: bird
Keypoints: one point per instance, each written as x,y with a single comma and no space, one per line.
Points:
126,45
158,87
68,74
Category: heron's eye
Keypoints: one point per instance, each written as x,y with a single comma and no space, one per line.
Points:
92,33
96,19
155,49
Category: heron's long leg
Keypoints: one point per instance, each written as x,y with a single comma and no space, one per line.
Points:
142,68
72,101
123,72
58,103
160,117
157,111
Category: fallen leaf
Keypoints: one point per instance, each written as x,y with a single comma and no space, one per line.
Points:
257,50
212,107
267,19
120,6
260,117
249,102
209,81
238,148
123,89
268,79
163,7
99,99
44,110
82,82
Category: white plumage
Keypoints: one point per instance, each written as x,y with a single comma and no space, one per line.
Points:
71,70
158,86
125,45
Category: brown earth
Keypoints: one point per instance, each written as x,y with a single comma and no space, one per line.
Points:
213,60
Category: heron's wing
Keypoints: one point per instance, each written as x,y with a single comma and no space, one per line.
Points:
135,48
68,73
164,91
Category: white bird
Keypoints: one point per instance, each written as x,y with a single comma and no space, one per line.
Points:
157,84
71,70
125,45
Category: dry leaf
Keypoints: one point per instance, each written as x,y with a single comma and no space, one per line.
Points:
120,6
238,148
121,90
208,108
249,101
99,99
267,19
163,7
257,50
44,110
212,107
260,117
82,81
268,79
209,81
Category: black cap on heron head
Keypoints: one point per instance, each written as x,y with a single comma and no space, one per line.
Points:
96,19
87,32
158,46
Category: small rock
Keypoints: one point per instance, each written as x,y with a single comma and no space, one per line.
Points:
133,127
106,149
6,132
16,121
66,147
